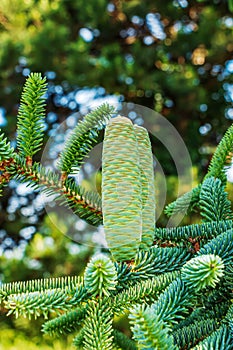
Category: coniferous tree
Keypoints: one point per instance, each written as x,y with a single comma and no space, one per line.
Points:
175,284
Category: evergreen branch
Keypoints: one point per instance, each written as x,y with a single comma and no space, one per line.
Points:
65,324
6,158
221,245
222,157
149,263
121,340
100,276
216,295
213,203
159,260
121,189
147,183
86,205
221,339
184,204
207,311
124,274
228,277
37,303
68,283
174,302
6,151
186,337
149,331
217,169
202,271
83,138
78,340
43,302
98,326
31,116
143,291
204,231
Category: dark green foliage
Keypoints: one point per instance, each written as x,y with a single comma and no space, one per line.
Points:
218,340
123,341
31,116
186,337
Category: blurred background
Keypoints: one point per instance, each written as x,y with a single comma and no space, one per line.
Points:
175,57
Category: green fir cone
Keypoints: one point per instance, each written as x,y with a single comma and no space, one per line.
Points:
147,183
100,276
121,189
202,271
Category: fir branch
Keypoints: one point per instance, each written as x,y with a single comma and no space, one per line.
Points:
202,271
69,283
147,264
37,303
158,260
6,158
206,311
174,302
121,340
228,277
78,340
204,231
98,326
31,116
66,323
147,184
142,291
213,203
221,339
83,138
221,159
184,204
149,331
124,274
222,245
86,205
100,276
6,151
43,302
186,337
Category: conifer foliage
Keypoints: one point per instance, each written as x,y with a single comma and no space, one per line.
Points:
176,295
